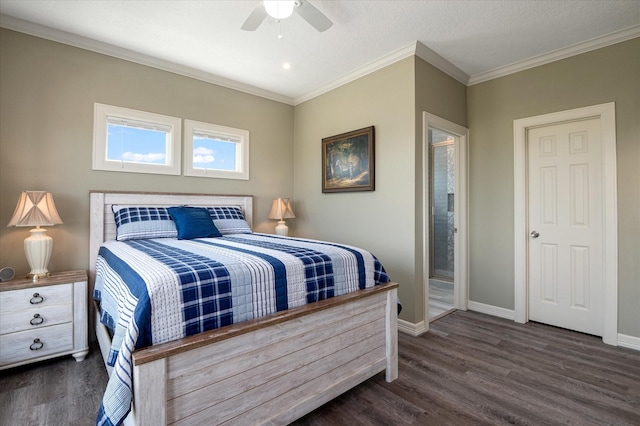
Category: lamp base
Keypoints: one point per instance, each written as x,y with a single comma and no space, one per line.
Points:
36,277
37,248
282,229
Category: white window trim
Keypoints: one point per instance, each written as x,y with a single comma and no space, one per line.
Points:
173,151
242,150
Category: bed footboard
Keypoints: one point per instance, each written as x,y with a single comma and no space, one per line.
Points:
271,370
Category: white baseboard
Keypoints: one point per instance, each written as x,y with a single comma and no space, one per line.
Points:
631,342
412,329
491,310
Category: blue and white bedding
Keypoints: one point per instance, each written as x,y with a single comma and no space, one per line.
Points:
157,290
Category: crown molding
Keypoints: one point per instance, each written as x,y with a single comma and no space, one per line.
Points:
576,49
413,49
391,58
74,40
441,63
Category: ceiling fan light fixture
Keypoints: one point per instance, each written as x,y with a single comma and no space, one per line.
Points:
279,9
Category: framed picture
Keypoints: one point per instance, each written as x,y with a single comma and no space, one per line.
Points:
348,161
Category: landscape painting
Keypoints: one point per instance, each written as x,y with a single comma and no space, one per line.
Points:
348,161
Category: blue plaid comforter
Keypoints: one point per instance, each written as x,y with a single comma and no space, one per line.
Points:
158,290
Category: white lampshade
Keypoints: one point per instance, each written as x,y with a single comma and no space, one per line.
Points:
280,210
279,9
36,208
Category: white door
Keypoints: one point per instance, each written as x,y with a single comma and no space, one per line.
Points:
565,196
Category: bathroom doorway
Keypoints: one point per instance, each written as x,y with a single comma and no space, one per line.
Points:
442,184
444,219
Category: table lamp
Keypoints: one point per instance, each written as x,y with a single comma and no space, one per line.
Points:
280,210
36,208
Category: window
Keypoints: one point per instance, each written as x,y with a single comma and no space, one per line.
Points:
126,140
216,151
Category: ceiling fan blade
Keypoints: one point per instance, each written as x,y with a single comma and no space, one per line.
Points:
255,18
313,16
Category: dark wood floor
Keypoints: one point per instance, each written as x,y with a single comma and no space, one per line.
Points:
54,392
469,369
474,369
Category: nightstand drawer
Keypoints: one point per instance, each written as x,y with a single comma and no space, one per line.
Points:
26,345
36,317
16,300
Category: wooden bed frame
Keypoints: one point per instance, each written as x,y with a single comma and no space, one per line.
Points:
273,369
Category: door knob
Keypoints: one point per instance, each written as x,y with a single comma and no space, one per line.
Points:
535,234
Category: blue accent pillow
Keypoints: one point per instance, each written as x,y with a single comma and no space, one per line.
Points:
141,222
229,220
193,222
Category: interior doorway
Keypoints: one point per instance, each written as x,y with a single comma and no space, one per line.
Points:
442,179
445,216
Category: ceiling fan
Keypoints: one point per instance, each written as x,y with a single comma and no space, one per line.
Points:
281,9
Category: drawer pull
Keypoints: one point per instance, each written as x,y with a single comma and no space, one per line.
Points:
36,345
36,320
36,299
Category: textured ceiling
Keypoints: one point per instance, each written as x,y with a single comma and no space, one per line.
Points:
476,36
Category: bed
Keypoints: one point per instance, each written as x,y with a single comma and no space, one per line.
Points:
267,369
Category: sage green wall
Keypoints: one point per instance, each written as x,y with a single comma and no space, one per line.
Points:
610,74
46,126
382,221
47,92
387,221
439,94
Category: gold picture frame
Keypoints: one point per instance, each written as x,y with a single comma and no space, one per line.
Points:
348,161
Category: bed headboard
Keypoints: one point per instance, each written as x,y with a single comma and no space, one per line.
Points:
103,227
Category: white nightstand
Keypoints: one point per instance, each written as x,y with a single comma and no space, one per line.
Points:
43,319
